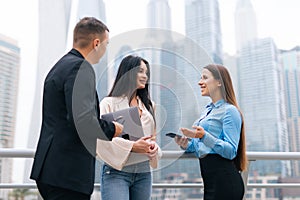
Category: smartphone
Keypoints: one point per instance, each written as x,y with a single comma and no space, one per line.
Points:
172,135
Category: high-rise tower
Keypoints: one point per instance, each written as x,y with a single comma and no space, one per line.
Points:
55,36
159,22
262,102
245,23
159,14
95,8
53,33
9,79
291,64
202,24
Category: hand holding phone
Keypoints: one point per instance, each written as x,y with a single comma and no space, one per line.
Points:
180,140
172,135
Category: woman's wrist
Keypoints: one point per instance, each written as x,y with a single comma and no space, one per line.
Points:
199,134
183,148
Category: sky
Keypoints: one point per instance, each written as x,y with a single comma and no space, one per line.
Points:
19,20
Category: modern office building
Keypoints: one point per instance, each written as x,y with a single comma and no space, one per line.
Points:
55,39
53,33
245,23
162,63
290,60
202,24
94,8
262,102
176,69
245,32
264,193
230,62
202,45
159,14
261,90
9,80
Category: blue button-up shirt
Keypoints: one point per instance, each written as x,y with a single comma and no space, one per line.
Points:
222,124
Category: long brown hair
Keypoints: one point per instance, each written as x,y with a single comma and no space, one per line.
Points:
220,72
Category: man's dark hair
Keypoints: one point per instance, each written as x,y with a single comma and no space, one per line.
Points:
86,30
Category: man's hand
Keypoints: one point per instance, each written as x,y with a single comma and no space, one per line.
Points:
118,129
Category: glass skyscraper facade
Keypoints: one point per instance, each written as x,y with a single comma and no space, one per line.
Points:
245,23
176,69
291,65
53,34
262,102
94,8
9,80
55,39
266,81
159,14
202,24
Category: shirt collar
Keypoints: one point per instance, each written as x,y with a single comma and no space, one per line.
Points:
217,104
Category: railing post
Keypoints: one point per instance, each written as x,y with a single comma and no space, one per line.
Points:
245,175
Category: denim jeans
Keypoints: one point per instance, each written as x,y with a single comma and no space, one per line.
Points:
122,185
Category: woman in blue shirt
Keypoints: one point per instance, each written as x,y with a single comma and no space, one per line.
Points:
218,137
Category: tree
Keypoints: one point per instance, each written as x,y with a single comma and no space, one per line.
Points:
20,193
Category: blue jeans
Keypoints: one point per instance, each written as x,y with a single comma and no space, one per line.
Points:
121,185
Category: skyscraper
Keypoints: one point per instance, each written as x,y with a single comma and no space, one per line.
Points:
9,79
159,24
176,71
245,32
53,33
202,24
159,14
161,62
55,38
291,64
231,64
262,102
245,23
94,8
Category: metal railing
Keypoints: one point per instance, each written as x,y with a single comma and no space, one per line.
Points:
252,156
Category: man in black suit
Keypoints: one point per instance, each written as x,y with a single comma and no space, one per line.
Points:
64,163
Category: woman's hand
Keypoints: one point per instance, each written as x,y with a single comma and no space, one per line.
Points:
181,141
142,145
153,150
198,132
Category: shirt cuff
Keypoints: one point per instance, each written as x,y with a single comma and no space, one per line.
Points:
189,147
209,140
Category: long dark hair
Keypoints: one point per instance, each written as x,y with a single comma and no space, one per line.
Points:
125,82
220,73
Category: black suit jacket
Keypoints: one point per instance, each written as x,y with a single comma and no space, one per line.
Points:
65,155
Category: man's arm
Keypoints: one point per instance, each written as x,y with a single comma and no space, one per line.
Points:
80,90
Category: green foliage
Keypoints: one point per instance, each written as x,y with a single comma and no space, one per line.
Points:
20,193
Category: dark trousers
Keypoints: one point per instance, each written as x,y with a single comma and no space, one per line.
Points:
49,192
